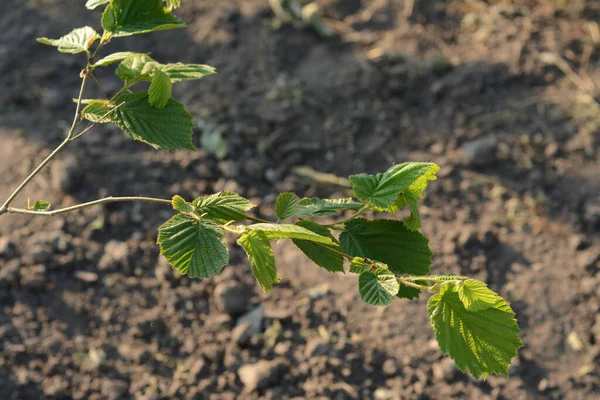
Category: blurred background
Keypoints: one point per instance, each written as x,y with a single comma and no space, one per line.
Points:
504,95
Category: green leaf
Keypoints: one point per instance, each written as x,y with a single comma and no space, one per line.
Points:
411,196
168,128
378,287
97,111
92,4
187,72
288,231
329,260
41,205
382,190
260,253
389,242
413,222
484,341
137,68
132,17
475,295
358,265
116,57
286,205
197,248
77,41
316,207
407,292
223,207
181,205
159,92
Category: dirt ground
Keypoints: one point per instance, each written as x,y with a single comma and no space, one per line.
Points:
505,96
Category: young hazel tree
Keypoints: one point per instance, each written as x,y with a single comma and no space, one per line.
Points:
391,258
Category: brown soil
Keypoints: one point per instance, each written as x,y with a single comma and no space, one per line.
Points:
400,84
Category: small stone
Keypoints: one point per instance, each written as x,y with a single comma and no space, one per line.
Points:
262,374
87,276
282,348
66,173
384,394
316,347
479,152
254,319
232,298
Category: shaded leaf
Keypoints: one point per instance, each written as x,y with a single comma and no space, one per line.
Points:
260,254
77,41
288,231
286,205
223,207
96,111
117,57
132,17
331,261
197,248
168,128
483,342
159,91
186,72
390,242
316,207
378,287
137,68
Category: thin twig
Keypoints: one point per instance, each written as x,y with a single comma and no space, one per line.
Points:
83,132
99,85
105,200
14,194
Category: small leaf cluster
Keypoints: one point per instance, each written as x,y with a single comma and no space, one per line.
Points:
391,258
149,115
